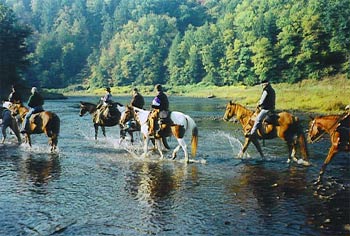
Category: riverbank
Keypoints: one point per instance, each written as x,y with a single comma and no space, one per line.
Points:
327,96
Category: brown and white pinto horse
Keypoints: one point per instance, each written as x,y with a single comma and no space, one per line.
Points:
287,127
338,127
43,122
181,124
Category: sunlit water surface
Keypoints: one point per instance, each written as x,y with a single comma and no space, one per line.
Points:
105,188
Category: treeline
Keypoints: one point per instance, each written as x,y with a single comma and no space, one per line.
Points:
134,42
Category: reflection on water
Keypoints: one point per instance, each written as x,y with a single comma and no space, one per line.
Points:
39,169
104,188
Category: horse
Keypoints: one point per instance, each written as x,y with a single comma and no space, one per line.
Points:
338,127
87,107
181,125
9,121
286,126
42,122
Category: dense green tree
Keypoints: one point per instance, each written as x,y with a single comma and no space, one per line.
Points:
123,42
13,48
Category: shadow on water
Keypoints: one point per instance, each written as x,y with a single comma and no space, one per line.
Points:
287,199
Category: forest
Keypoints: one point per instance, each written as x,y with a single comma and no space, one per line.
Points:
96,43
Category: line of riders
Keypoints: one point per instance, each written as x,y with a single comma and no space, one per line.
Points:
159,117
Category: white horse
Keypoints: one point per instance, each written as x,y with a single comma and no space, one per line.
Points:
9,121
181,125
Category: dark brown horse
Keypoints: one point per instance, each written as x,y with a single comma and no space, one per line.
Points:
338,127
287,127
87,107
43,122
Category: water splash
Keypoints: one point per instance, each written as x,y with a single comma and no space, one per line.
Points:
235,144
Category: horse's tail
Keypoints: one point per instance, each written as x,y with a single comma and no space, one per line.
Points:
301,139
194,140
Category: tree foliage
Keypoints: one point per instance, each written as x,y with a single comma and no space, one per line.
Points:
131,42
13,48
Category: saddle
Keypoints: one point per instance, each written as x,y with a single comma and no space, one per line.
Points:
110,111
271,119
35,121
160,123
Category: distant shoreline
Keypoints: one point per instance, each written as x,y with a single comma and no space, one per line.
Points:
327,96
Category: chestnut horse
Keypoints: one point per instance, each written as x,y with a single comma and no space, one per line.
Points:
287,127
181,124
43,122
338,127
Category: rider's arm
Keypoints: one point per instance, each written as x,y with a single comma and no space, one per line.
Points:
263,97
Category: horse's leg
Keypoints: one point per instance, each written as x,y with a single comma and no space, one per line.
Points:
145,145
291,152
96,130
103,130
245,146
15,129
257,146
183,145
3,130
159,147
28,139
303,147
131,136
332,151
174,155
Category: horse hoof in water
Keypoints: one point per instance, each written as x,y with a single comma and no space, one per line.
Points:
304,163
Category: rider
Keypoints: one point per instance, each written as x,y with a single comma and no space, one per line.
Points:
35,102
106,100
14,96
344,129
137,99
266,104
160,112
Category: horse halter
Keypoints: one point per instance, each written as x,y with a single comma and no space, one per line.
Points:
83,110
323,131
318,137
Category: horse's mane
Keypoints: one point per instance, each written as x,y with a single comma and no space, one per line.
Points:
88,104
328,117
245,109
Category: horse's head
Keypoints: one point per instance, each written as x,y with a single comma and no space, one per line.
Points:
83,109
127,115
14,108
314,130
230,111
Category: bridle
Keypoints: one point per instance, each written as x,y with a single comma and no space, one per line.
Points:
324,131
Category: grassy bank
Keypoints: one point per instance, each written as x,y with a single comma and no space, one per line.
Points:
329,95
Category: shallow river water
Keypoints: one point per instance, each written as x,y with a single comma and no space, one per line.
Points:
105,188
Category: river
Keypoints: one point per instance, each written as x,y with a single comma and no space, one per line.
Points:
105,188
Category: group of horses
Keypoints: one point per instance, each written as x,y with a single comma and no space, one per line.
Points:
286,126
180,125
